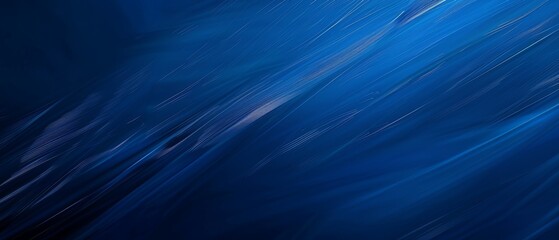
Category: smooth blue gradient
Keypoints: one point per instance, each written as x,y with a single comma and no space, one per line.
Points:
244,119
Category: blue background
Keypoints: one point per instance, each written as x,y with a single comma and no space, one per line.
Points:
359,119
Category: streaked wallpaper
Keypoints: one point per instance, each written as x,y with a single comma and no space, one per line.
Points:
279,119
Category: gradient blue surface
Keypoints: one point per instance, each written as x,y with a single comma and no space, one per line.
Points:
354,119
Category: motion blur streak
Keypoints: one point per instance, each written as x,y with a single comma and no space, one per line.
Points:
240,119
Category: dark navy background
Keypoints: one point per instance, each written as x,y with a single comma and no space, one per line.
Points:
361,119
